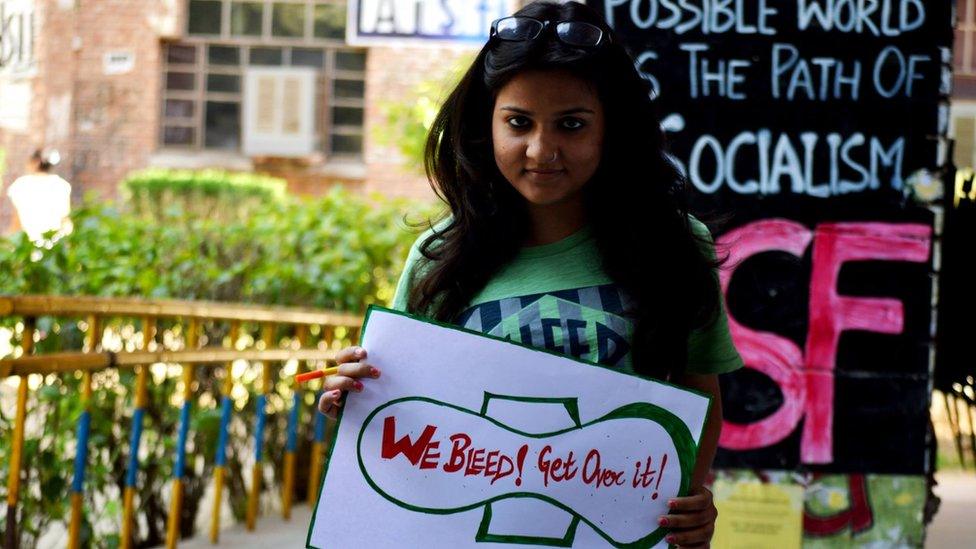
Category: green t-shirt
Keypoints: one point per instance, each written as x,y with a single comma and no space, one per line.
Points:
557,297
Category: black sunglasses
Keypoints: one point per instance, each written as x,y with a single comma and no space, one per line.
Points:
520,28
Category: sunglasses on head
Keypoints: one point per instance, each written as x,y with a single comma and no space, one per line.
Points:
519,28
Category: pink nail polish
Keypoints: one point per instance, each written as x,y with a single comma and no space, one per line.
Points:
358,385
373,372
669,539
359,352
336,394
663,521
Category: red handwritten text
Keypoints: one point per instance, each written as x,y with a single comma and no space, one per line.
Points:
469,459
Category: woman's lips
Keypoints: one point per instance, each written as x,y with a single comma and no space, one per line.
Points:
544,174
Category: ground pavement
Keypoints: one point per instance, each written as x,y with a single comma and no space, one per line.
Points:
954,526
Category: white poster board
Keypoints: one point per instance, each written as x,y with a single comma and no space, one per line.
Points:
467,440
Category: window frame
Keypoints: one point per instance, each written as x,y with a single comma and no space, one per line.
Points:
267,14
325,97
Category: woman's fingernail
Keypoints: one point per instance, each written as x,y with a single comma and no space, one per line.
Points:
359,352
373,372
663,521
669,539
671,504
357,385
335,394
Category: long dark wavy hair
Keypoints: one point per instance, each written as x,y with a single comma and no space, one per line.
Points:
636,201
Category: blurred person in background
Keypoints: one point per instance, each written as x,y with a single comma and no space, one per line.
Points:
42,199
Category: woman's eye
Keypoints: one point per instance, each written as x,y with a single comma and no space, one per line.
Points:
573,123
521,123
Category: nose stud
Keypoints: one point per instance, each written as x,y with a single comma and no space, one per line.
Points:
553,159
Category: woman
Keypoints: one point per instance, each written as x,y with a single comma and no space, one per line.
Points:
42,200
567,225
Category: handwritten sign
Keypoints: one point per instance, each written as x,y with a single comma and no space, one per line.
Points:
17,37
467,439
807,98
419,22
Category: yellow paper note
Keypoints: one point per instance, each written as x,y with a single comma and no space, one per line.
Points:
753,515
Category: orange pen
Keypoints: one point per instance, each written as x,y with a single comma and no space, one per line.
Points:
308,376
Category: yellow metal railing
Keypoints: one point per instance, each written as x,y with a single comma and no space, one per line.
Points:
192,314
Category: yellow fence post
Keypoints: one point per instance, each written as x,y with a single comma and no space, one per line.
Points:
141,401
92,339
301,334
268,337
318,444
176,506
226,407
17,444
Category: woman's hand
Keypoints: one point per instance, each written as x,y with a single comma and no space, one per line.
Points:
351,368
691,519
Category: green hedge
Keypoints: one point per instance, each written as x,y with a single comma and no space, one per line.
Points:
340,251
212,193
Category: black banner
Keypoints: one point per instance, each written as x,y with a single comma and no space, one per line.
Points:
818,126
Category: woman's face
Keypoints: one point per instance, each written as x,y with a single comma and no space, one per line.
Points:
547,133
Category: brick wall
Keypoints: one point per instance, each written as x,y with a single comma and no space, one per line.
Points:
304,178
115,116
104,125
392,75
964,61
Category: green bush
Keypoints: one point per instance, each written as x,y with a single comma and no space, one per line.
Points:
341,251
200,193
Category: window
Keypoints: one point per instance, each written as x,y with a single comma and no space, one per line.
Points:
288,20
963,131
204,17
279,111
179,108
291,20
246,18
303,57
267,56
223,125
330,21
203,80
223,55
